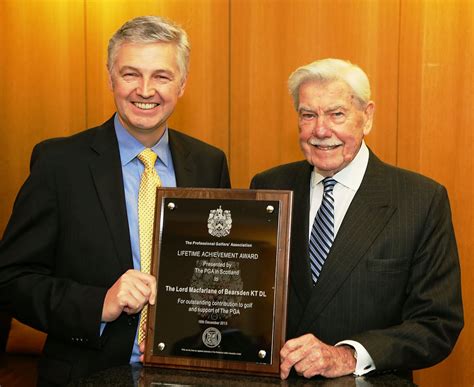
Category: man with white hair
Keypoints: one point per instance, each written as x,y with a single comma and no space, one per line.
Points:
70,257
374,271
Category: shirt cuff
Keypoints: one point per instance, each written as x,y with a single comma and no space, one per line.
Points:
364,362
102,327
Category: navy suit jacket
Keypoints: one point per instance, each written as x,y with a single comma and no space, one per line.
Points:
68,241
391,280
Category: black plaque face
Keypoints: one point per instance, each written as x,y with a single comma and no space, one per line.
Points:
217,266
217,279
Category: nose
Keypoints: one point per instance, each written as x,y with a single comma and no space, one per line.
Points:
146,89
321,129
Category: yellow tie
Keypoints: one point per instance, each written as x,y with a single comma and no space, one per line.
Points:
146,217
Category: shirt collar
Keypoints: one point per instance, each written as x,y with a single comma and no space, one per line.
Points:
130,147
351,176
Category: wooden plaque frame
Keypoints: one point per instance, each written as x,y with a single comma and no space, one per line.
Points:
284,199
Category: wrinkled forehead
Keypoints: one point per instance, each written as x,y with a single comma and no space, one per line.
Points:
325,94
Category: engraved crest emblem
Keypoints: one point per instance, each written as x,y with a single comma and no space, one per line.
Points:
211,337
219,222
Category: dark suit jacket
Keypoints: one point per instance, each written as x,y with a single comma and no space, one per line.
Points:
68,241
391,280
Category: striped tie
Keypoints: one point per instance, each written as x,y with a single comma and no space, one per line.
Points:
322,233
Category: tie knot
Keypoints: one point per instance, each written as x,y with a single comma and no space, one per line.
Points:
148,158
329,184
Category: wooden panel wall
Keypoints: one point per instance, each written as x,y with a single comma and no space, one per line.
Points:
436,138
42,91
417,53
270,39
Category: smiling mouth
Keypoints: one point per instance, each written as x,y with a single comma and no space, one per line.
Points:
145,106
326,147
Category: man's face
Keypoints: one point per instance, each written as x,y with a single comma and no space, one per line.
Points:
332,124
146,83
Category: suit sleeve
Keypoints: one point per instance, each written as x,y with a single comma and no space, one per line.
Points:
259,182
432,314
61,307
225,178
253,183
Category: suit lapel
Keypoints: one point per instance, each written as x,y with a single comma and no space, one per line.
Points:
366,217
183,169
107,174
299,268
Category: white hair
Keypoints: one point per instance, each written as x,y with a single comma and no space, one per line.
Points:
329,70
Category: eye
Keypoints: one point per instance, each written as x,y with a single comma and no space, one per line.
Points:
163,77
307,116
338,116
129,75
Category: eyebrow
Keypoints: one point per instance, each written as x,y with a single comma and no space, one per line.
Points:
305,109
158,71
329,109
125,68
336,107
165,71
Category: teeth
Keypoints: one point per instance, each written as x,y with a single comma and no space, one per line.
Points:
321,146
145,106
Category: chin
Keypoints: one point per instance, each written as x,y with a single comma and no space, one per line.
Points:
325,169
146,126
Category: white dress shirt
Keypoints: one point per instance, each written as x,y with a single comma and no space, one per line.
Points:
348,182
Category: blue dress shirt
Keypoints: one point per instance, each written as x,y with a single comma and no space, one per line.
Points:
132,169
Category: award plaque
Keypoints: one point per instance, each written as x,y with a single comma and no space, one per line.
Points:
221,258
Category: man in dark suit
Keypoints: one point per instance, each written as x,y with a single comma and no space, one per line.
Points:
386,293
70,255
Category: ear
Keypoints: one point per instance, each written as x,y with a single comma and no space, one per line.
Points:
182,87
369,117
110,81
